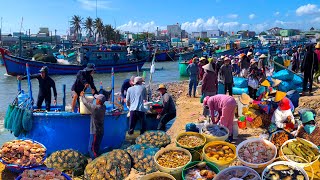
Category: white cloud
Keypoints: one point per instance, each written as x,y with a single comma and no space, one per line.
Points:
307,10
252,16
276,13
140,27
233,16
92,4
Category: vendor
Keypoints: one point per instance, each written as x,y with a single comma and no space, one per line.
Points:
263,90
45,85
278,61
282,116
225,105
243,102
125,86
279,96
83,81
169,108
309,130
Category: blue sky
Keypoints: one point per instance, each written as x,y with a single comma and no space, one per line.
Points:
146,15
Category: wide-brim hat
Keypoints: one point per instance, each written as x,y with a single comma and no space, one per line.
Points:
249,53
307,117
90,67
208,67
162,86
202,58
265,83
284,104
262,56
318,45
245,99
241,55
226,59
252,61
257,54
279,96
275,82
137,80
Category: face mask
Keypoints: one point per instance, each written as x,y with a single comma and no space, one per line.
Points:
309,128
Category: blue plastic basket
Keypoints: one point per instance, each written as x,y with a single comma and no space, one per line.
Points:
44,168
19,169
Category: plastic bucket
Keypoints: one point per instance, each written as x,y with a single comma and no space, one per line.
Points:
195,151
157,174
287,63
302,165
220,164
213,167
182,69
83,108
175,172
211,138
239,168
242,124
288,164
260,165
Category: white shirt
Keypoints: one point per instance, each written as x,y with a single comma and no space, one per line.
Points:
279,117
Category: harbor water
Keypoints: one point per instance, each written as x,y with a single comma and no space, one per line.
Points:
165,72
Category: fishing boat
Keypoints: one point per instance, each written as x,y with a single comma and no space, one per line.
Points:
103,59
165,55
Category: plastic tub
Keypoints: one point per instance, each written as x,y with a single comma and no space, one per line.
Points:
242,124
83,108
157,174
175,172
211,138
213,167
220,164
195,151
285,163
182,69
240,168
303,165
44,168
261,165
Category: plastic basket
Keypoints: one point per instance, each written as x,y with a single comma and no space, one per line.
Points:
285,163
211,138
157,174
240,168
213,167
18,168
195,151
44,168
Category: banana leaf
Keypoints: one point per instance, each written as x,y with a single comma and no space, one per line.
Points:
7,117
27,120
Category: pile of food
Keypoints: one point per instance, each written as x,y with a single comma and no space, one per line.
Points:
68,161
279,138
191,141
200,172
42,174
154,138
214,130
257,122
257,152
142,156
281,171
160,178
173,159
23,153
238,172
220,152
300,151
113,165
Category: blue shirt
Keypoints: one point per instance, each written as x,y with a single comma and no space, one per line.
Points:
124,88
135,98
193,70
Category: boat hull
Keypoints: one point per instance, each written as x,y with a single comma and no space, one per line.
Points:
65,130
165,56
187,56
17,66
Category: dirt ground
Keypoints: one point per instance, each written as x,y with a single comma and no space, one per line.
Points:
190,110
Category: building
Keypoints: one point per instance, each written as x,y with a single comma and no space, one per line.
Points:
274,31
214,33
246,34
44,30
174,30
203,34
195,34
18,34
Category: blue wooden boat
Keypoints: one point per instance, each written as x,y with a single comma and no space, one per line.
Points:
186,56
165,56
104,61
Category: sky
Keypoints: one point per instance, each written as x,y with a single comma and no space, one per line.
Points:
147,15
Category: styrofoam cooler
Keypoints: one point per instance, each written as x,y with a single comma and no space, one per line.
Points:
83,108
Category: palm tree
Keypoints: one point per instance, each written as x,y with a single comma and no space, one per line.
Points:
109,32
98,26
88,25
76,24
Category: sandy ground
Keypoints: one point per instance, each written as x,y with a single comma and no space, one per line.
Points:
190,110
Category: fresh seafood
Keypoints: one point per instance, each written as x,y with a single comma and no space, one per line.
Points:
282,171
220,153
256,152
42,174
160,178
197,172
190,141
23,153
154,138
214,130
173,159
300,151
238,173
278,139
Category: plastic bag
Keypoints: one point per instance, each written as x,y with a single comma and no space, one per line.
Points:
283,75
240,82
221,88
191,127
285,86
239,91
294,96
254,83
297,80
